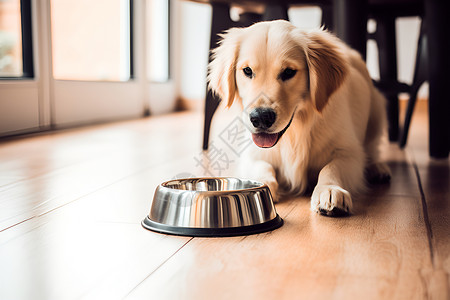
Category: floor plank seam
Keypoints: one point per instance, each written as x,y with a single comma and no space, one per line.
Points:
157,268
11,226
426,218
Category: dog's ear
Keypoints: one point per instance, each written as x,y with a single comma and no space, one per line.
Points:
222,68
327,66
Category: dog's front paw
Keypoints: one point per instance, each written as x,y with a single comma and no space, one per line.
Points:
331,200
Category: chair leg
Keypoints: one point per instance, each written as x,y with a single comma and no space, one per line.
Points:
438,31
350,23
408,116
220,21
420,76
388,69
275,12
211,104
249,18
392,115
327,17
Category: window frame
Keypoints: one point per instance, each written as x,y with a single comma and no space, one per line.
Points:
27,39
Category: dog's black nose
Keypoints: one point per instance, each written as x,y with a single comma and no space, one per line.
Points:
262,118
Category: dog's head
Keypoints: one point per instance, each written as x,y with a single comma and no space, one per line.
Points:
276,70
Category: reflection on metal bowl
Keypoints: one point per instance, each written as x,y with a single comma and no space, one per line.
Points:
212,207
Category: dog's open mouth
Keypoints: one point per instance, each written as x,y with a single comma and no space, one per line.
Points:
268,140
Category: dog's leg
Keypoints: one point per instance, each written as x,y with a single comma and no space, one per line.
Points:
261,171
343,174
376,171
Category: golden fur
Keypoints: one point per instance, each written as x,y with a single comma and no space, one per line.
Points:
337,115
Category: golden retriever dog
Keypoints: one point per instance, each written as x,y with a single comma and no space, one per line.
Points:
315,118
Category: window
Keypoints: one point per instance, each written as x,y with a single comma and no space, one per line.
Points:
91,40
85,55
157,17
16,52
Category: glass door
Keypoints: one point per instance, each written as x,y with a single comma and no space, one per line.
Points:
91,62
19,93
94,61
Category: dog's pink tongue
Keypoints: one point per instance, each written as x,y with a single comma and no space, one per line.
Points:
265,140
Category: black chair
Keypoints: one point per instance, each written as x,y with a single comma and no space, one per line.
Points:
432,61
385,13
348,19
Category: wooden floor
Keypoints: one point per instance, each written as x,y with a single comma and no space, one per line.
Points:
71,203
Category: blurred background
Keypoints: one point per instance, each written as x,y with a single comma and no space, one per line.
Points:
66,63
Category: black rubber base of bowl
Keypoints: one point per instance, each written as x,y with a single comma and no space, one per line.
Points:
213,232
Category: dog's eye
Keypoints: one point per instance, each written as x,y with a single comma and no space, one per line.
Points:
287,74
248,72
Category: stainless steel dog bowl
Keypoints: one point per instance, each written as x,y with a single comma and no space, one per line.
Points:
212,207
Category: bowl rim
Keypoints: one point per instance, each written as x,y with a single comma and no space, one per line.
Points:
261,186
